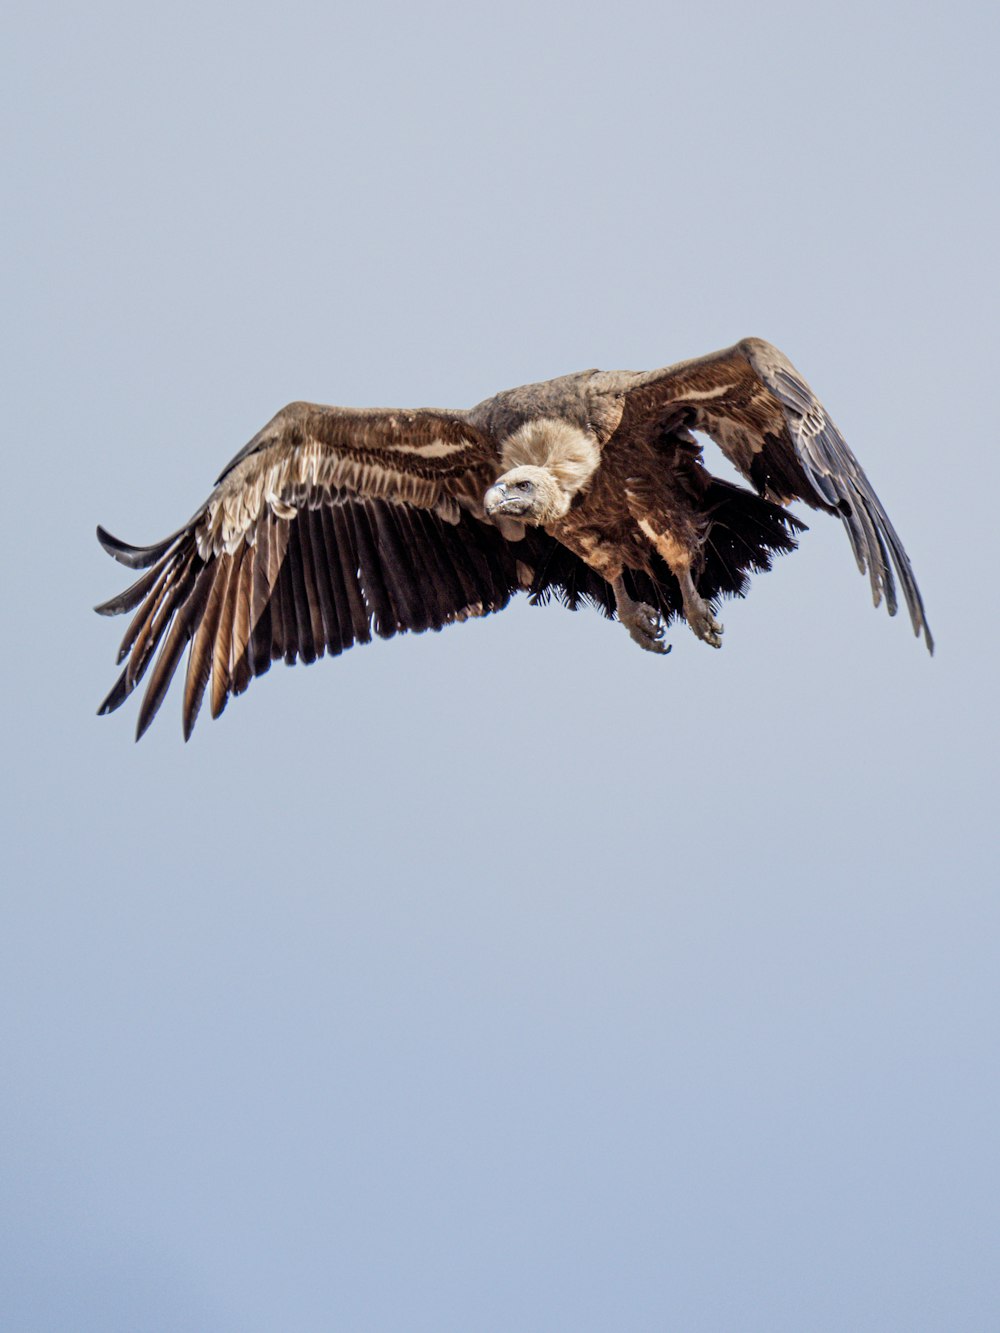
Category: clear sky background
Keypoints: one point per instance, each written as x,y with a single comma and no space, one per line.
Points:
507,978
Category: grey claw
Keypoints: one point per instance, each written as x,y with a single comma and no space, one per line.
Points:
643,624
704,625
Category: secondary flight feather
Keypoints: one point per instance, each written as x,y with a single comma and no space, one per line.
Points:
334,523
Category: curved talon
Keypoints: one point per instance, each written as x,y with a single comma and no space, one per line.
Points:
704,624
645,627
641,620
651,643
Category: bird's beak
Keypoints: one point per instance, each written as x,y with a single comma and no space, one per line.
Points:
496,499
499,500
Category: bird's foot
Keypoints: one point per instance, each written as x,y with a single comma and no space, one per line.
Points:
702,622
645,626
641,620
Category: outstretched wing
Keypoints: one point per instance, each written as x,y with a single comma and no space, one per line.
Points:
329,524
760,411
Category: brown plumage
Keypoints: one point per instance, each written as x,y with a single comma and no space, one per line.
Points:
334,522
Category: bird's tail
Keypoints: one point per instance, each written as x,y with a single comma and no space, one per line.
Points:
744,535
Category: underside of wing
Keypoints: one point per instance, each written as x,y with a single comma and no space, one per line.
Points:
316,532
297,588
283,563
755,405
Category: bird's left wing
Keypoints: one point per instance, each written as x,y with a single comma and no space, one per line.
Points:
765,418
329,523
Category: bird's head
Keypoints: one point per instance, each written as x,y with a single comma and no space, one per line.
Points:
528,494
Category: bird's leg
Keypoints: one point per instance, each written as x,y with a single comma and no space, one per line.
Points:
641,620
678,555
697,612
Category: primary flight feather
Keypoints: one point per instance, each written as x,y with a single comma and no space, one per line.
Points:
333,522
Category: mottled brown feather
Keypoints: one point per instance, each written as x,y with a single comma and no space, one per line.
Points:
175,586
229,567
239,669
163,572
173,646
200,659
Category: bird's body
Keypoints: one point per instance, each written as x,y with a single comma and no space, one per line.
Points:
334,521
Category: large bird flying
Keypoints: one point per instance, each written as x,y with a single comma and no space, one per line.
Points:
336,521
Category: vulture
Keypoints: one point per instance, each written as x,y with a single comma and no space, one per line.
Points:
334,522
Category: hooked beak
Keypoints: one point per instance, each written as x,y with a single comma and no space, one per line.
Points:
499,500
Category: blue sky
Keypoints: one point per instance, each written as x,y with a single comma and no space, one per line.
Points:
504,978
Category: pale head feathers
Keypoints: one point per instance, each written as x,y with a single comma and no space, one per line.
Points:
556,457
549,500
565,451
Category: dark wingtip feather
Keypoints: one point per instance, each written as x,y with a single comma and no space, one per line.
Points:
114,605
837,478
117,695
892,557
134,594
135,557
191,604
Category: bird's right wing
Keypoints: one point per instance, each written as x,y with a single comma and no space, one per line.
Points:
329,523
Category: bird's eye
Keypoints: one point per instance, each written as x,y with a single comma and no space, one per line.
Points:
524,485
